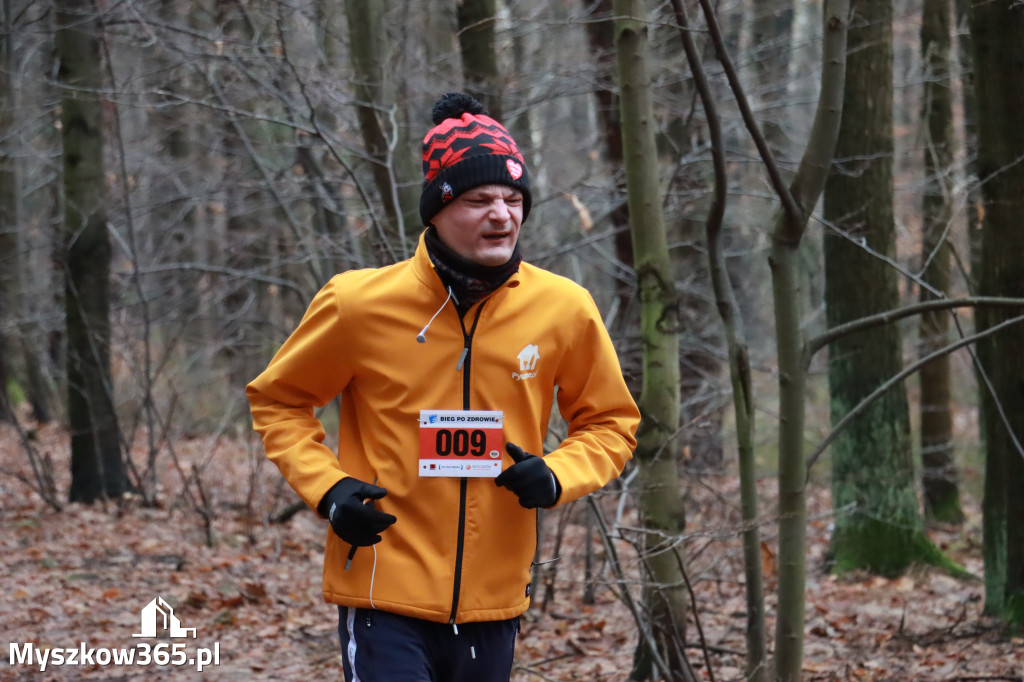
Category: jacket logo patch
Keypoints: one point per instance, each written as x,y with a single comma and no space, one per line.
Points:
528,358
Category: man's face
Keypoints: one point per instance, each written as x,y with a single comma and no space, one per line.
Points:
482,224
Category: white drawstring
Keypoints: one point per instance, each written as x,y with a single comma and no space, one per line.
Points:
422,336
373,575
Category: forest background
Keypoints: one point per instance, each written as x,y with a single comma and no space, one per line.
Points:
236,155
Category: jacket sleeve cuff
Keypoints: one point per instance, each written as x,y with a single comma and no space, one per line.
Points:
321,507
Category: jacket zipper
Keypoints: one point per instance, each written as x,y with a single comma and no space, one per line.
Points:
464,364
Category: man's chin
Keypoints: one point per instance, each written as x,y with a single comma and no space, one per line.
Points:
493,257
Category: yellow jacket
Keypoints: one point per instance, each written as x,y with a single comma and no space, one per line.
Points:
461,548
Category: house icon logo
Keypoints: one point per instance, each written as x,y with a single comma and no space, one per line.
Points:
158,615
528,357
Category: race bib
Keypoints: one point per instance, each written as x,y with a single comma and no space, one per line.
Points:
460,443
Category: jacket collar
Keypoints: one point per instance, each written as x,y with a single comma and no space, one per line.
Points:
425,273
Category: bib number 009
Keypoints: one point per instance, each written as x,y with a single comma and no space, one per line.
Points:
460,442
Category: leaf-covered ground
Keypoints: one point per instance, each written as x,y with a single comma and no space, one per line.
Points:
80,577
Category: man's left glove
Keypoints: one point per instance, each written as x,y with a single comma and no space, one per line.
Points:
530,479
348,505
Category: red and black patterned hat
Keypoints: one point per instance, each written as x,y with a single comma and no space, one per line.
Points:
465,149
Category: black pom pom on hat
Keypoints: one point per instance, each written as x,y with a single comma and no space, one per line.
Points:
454,105
467,148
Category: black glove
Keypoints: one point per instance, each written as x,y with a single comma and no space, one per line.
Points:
357,523
530,479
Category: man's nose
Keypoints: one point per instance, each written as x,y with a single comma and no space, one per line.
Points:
500,210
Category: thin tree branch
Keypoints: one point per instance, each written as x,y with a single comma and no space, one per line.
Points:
41,466
318,131
624,595
889,316
224,270
790,207
392,143
293,222
739,368
892,262
693,601
903,374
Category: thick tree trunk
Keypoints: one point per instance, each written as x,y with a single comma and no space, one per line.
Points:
879,526
939,474
97,470
998,33
479,56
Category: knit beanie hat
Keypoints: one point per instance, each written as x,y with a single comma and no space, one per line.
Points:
465,149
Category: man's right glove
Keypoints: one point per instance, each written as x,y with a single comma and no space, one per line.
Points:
530,479
348,505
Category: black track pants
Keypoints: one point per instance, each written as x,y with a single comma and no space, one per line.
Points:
384,647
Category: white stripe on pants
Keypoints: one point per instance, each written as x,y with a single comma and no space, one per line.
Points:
351,653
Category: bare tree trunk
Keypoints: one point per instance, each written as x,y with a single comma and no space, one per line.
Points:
998,32
798,200
771,44
739,366
939,474
798,203
32,341
880,528
601,37
657,439
174,193
479,56
251,230
97,470
972,205
332,220
8,210
378,119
